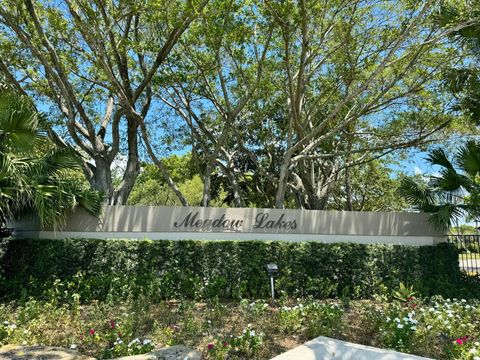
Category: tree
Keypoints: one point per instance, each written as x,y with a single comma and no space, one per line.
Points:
34,172
463,80
306,91
93,62
454,192
370,187
152,189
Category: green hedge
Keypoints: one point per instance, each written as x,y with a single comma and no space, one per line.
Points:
116,269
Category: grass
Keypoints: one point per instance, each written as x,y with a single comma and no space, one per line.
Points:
469,256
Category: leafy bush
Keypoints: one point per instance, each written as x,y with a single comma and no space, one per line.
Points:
115,270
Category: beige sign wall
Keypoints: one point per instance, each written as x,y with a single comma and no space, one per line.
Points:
156,222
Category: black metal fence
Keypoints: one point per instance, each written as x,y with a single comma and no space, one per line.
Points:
469,247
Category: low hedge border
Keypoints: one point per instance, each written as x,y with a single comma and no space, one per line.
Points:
117,269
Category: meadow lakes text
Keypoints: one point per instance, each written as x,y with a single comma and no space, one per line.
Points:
262,221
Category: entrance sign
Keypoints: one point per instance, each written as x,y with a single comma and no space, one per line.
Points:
262,221
175,223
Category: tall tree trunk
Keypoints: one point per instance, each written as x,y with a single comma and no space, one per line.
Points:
120,195
282,183
102,177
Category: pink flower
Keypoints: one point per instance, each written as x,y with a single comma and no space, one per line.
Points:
112,324
92,331
459,341
225,343
210,346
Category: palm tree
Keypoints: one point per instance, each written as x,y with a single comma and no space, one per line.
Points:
454,192
33,172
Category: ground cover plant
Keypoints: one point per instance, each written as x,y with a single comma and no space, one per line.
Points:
116,298
247,329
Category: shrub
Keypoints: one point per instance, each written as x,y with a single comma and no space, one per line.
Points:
115,270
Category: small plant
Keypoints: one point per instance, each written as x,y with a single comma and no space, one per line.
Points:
218,350
243,346
399,328
404,293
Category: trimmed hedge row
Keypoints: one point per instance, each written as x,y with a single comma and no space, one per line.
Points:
114,270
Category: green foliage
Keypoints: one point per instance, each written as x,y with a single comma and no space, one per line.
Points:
114,270
314,318
404,293
454,192
35,174
398,330
151,188
372,187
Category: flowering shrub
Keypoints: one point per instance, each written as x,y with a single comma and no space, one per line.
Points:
118,336
246,345
6,330
254,308
315,318
433,327
399,329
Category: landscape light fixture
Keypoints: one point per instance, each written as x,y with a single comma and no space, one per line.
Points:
272,270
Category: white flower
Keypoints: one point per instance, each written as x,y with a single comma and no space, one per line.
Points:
472,351
476,358
413,328
388,319
463,300
252,332
134,341
13,326
146,342
119,341
400,326
476,343
6,323
397,320
429,327
406,319
73,346
413,321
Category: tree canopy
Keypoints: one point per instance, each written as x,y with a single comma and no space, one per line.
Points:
280,103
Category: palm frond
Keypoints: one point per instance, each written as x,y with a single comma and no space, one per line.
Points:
445,215
419,195
468,158
448,180
438,156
